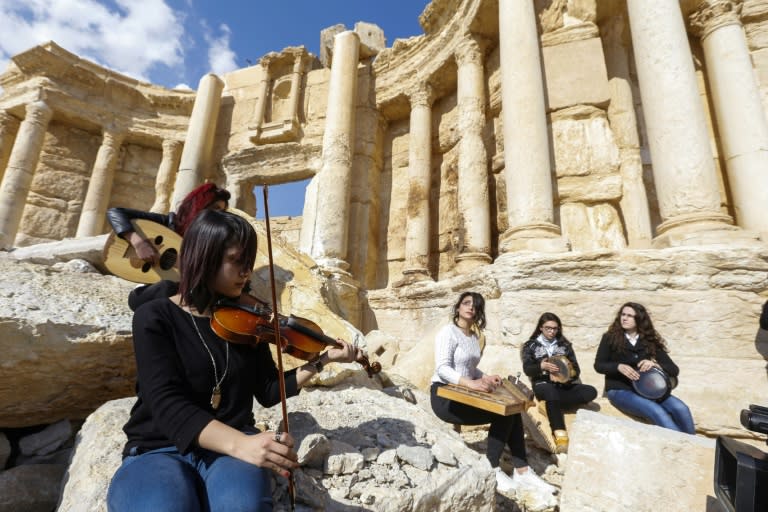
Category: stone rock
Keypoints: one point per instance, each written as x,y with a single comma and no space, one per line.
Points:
377,484
47,440
642,467
30,487
65,340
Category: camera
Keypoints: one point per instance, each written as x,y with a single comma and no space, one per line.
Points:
741,470
755,419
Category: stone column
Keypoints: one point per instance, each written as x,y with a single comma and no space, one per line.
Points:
417,235
738,109
473,196
331,226
621,115
294,94
165,176
261,101
8,127
100,185
528,169
198,144
21,168
683,170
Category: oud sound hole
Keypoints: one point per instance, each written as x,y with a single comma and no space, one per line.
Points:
168,259
159,240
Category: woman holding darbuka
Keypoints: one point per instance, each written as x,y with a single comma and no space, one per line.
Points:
631,354
550,362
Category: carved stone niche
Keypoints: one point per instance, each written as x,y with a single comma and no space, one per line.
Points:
277,110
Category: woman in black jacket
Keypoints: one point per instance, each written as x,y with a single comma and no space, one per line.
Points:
632,346
555,385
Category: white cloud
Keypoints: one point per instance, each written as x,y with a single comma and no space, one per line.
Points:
221,58
131,39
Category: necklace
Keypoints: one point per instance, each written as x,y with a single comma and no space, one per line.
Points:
216,393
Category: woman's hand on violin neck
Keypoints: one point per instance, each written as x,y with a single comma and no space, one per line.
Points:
344,353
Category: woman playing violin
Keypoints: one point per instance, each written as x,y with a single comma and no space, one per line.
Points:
192,441
632,346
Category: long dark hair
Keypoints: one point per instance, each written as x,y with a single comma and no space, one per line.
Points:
202,253
550,317
644,328
478,302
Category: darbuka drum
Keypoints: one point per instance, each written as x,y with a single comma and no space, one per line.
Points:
566,371
654,384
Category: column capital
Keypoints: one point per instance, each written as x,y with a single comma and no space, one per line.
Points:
710,15
469,51
170,145
39,112
423,96
112,136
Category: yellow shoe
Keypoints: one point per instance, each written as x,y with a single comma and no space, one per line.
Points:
561,441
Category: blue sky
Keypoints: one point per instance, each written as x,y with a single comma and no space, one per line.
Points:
175,42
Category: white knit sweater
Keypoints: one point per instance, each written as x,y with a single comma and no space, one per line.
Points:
456,355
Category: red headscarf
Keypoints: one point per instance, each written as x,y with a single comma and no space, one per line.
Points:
196,201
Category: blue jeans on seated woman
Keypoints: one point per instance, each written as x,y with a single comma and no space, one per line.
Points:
670,413
200,481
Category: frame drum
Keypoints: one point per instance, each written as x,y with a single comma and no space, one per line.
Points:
566,372
654,384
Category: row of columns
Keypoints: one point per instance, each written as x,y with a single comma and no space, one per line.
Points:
192,163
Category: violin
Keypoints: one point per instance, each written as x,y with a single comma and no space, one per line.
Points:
248,322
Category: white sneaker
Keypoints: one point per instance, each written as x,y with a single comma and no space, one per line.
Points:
531,479
533,493
505,484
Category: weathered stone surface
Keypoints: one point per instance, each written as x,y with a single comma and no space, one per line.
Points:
30,488
65,340
575,74
642,467
354,420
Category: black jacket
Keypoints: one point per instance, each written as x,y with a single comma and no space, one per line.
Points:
120,219
607,362
764,317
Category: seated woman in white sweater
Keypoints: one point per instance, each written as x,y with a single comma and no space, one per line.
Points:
457,354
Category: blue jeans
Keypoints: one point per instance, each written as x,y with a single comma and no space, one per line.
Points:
200,481
672,413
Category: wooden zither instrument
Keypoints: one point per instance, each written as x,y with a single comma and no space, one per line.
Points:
510,398
120,257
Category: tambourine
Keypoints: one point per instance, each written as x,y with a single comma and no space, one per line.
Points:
566,371
654,384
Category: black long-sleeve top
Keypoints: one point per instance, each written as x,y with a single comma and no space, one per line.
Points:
607,362
175,379
534,352
120,219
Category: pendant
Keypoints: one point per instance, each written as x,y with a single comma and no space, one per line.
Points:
216,398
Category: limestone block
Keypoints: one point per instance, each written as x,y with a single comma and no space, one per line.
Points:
65,339
583,143
372,39
592,226
575,73
616,465
590,189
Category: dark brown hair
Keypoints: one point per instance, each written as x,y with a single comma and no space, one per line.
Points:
478,302
550,317
644,328
202,253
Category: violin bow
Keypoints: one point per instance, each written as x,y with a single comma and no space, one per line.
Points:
276,327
